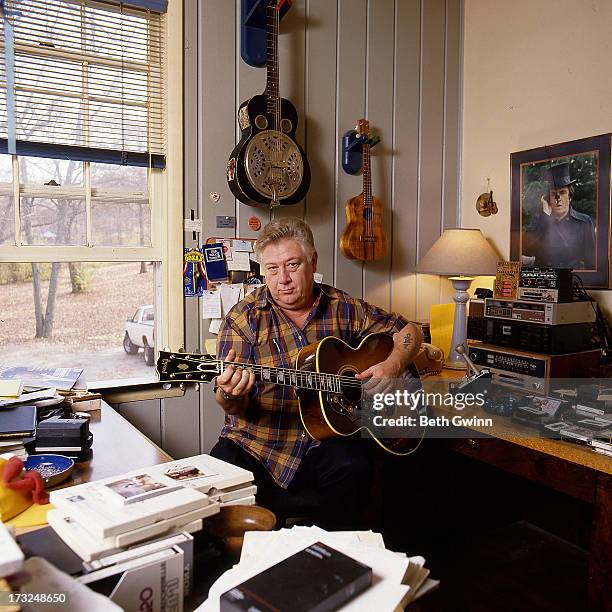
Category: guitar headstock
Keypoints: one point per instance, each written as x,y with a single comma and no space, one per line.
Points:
187,367
363,127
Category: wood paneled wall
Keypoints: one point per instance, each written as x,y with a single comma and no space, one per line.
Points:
395,62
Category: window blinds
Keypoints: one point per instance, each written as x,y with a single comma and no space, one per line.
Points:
87,82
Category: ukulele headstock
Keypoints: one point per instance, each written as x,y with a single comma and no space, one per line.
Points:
187,367
363,128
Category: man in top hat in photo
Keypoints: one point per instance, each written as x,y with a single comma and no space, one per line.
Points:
563,237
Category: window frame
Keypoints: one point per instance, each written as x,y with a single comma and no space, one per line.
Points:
165,187
19,252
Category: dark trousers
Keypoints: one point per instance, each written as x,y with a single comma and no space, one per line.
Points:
331,486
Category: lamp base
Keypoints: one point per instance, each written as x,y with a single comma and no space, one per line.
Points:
455,365
460,284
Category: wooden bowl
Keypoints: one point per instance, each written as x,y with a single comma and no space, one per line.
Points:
231,523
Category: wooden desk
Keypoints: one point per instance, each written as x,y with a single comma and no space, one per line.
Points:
117,448
569,468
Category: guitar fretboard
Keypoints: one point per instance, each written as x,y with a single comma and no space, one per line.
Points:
367,178
302,379
272,57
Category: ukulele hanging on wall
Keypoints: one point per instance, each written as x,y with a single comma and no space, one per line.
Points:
363,237
268,166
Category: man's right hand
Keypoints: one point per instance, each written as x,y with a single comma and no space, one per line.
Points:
236,383
546,208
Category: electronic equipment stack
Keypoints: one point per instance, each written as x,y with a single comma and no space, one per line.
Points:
541,335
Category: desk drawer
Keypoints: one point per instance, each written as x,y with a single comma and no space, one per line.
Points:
565,476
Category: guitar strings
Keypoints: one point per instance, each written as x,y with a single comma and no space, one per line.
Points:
278,109
344,380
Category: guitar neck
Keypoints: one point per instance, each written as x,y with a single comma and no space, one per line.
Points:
300,379
367,177
272,78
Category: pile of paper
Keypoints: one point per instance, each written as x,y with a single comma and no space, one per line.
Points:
397,579
34,379
103,517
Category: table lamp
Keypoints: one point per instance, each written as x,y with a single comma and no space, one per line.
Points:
460,254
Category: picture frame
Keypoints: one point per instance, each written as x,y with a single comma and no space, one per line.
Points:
560,208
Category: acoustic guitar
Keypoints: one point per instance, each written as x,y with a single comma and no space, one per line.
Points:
331,400
363,238
268,166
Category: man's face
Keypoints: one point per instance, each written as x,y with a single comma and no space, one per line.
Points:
289,274
560,201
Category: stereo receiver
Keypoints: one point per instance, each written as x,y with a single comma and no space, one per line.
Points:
534,312
547,339
546,284
531,371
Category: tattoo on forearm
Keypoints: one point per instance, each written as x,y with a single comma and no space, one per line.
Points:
407,339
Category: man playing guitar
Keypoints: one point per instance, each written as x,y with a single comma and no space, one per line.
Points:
263,431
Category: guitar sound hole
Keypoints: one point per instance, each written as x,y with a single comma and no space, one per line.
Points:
286,125
261,122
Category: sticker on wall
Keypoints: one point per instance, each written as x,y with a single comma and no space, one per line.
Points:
194,279
214,196
255,223
231,169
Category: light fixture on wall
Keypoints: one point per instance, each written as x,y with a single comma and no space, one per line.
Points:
485,205
460,254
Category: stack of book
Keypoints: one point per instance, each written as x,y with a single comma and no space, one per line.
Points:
68,437
17,428
104,517
397,580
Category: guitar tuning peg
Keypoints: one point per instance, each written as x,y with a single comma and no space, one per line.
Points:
181,349
166,349
166,386
196,387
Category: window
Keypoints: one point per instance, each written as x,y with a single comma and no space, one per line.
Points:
80,74
82,185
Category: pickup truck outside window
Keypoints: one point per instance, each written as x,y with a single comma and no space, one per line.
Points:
139,333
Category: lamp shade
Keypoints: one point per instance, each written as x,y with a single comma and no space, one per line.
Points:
464,252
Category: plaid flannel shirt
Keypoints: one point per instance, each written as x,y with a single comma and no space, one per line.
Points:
260,333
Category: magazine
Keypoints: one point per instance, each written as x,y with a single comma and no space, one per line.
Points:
42,378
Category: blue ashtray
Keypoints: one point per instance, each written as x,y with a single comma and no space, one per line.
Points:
54,469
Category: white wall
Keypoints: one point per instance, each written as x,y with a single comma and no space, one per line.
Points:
536,72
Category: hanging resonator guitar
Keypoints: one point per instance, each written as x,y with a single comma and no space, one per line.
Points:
268,166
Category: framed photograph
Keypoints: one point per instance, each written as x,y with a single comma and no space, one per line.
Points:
560,208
